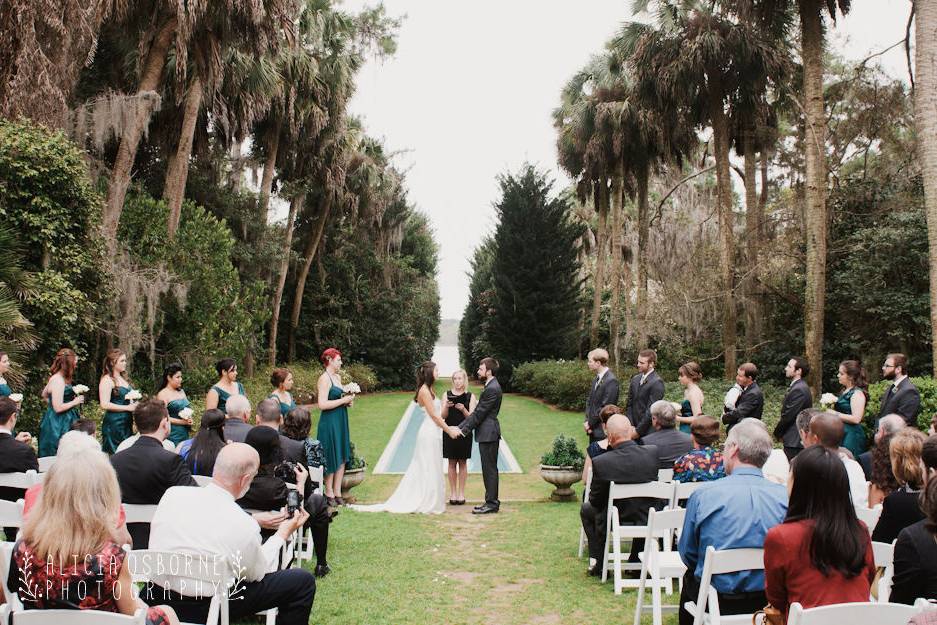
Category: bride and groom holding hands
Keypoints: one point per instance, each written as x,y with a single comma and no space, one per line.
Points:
422,488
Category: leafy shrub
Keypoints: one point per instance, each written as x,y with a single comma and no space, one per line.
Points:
355,462
565,453
563,383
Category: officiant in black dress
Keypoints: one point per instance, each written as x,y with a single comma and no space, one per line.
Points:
458,450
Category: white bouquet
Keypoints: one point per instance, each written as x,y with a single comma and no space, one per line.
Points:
676,406
17,397
80,389
827,399
185,413
133,395
352,388
732,396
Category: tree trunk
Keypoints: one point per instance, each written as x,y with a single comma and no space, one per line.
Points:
615,240
644,218
815,219
237,167
178,170
150,80
600,193
266,181
753,313
309,253
727,247
295,206
925,119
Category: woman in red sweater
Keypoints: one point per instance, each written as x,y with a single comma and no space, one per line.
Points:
821,554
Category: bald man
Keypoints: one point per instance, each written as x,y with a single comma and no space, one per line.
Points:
207,524
827,429
625,462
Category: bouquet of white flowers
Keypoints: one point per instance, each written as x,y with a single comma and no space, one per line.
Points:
185,413
352,388
827,399
732,396
133,395
17,397
676,406
80,389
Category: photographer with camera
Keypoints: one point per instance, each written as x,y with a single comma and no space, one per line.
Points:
269,491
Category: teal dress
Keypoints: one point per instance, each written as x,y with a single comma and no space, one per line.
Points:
685,411
333,434
55,424
178,433
223,396
5,390
284,408
116,427
854,436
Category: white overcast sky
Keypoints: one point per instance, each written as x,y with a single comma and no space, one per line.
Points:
470,91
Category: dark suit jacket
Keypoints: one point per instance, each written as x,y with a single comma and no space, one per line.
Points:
294,451
750,403
865,461
600,396
640,398
484,419
905,402
797,398
899,510
671,444
235,430
628,463
15,457
145,471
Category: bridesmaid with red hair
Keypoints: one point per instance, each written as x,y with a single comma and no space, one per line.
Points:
333,424
63,402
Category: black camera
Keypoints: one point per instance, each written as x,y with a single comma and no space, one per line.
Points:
293,501
286,471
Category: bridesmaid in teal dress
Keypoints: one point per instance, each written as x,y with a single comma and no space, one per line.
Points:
226,386
63,402
851,405
170,391
689,375
5,390
117,425
282,382
333,425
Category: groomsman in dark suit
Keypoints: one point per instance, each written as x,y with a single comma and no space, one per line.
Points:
750,403
604,391
645,388
902,397
484,420
16,454
797,398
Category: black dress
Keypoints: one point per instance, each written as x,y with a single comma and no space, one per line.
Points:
457,448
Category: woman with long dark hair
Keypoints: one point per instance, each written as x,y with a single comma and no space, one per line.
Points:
821,554
177,403
200,451
117,425
851,405
63,409
226,386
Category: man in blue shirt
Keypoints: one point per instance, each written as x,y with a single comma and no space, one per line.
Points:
732,513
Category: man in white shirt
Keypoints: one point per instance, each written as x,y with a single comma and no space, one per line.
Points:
826,428
207,525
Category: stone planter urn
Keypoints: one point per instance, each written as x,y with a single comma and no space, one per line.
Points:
562,478
350,479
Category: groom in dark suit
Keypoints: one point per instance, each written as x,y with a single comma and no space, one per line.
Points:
604,391
484,420
797,398
902,397
646,388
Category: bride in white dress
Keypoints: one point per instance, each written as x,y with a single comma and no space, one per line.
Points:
422,488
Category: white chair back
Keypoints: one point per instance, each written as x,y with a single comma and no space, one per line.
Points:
853,614
718,563
615,532
165,567
317,475
869,516
659,567
11,514
202,480
683,490
139,513
77,617
45,463
9,594
19,480
665,475
650,490
884,558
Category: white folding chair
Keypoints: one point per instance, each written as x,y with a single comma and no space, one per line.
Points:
75,617
12,598
869,516
683,490
202,480
615,532
317,475
718,563
853,614
45,463
659,566
665,475
884,557
585,497
139,513
19,480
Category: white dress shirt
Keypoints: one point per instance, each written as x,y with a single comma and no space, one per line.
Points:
858,487
127,442
207,524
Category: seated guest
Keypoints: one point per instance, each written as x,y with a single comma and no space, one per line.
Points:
16,454
237,415
597,448
78,564
296,426
207,524
704,462
826,429
270,416
878,461
268,492
900,509
625,462
821,554
200,451
671,443
732,513
145,470
916,549
86,426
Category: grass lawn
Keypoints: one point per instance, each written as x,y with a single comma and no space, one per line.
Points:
517,567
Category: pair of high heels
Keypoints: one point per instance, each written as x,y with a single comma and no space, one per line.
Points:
456,502
335,502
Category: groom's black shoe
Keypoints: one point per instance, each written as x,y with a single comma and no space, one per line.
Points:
484,510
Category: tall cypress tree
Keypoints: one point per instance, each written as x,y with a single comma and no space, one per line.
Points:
473,328
535,273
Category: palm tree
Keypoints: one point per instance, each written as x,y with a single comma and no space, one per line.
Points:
16,284
925,118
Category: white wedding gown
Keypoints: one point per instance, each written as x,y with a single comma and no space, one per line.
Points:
422,489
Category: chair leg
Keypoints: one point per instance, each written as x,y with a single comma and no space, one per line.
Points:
657,602
639,604
582,541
